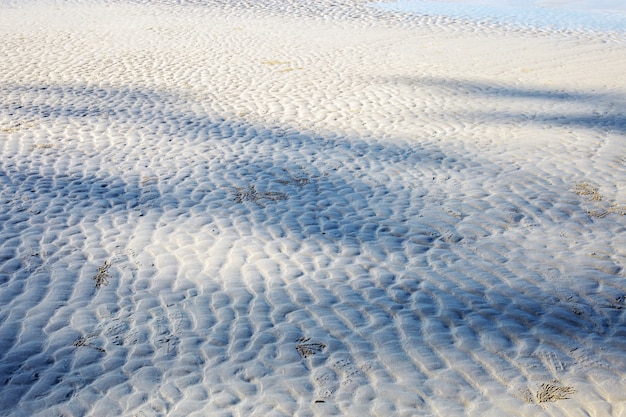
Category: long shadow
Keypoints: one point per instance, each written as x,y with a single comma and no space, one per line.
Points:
604,111
394,211
56,210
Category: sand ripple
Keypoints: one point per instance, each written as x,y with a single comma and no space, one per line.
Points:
263,208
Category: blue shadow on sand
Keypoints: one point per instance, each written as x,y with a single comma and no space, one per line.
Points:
306,187
604,111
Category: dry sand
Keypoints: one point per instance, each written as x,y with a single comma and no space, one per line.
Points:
316,208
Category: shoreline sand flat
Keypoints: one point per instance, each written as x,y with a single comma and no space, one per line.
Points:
316,208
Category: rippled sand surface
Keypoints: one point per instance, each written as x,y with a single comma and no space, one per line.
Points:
313,208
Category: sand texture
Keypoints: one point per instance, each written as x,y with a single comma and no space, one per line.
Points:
310,208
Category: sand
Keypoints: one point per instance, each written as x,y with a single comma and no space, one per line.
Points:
315,208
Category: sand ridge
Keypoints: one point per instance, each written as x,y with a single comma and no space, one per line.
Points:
270,208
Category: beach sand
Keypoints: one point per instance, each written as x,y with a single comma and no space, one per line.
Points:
316,208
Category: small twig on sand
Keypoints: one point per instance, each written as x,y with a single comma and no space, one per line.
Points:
102,277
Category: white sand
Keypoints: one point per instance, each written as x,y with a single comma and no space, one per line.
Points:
259,208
